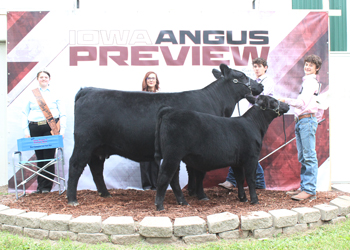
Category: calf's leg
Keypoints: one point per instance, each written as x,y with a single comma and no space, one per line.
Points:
96,168
239,176
251,178
175,186
191,185
167,171
199,185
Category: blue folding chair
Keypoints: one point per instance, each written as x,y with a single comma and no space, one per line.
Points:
39,143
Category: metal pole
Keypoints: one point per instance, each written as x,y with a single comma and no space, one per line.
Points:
277,149
283,146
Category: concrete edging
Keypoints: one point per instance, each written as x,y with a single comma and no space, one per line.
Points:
123,230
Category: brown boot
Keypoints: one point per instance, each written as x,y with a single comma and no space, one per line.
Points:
228,185
303,196
293,192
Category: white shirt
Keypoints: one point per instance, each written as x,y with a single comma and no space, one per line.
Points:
268,83
269,86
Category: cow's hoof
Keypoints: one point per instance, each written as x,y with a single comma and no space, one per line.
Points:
73,203
254,202
160,207
243,200
191,193
105,194
183,203
203,198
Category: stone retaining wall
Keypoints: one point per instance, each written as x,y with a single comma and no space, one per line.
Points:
159,230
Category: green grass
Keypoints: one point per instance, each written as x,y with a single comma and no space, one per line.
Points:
325,237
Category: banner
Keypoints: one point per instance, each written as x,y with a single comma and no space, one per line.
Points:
115,50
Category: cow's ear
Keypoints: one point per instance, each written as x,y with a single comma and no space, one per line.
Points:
250,98
227,72
224,69
217,73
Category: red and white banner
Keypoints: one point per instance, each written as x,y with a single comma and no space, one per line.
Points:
109,50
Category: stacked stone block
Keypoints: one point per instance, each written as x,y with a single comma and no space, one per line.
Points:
160,230
88,229
122,230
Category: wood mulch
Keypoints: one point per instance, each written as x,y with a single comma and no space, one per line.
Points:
139,204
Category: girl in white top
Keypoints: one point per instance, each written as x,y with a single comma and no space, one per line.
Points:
34,124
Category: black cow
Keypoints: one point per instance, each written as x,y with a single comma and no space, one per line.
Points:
207,142
108,122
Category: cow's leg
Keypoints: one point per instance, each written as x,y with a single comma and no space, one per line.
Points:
251,178
191,185
82,152
76,168
199,185
175,186
239,176
167,171
75,171
96,168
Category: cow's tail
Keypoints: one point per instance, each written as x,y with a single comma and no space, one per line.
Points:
82,92
157,148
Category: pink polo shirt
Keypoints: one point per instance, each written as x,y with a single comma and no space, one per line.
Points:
306,101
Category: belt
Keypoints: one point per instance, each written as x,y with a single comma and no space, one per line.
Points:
43,122
296,119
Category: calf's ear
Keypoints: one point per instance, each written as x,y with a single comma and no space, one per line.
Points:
262,101
217,73
250,98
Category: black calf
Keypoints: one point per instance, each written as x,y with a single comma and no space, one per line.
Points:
206,142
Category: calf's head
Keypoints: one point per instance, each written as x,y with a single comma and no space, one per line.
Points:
239,77
269,103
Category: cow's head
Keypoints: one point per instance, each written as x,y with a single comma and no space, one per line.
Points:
269,103
238,77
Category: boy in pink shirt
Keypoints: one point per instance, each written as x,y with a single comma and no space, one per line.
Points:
305,110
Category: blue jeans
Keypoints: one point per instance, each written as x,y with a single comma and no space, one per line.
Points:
260,178
305,132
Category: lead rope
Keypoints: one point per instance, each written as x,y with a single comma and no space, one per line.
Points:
250,88
284,130
239,111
